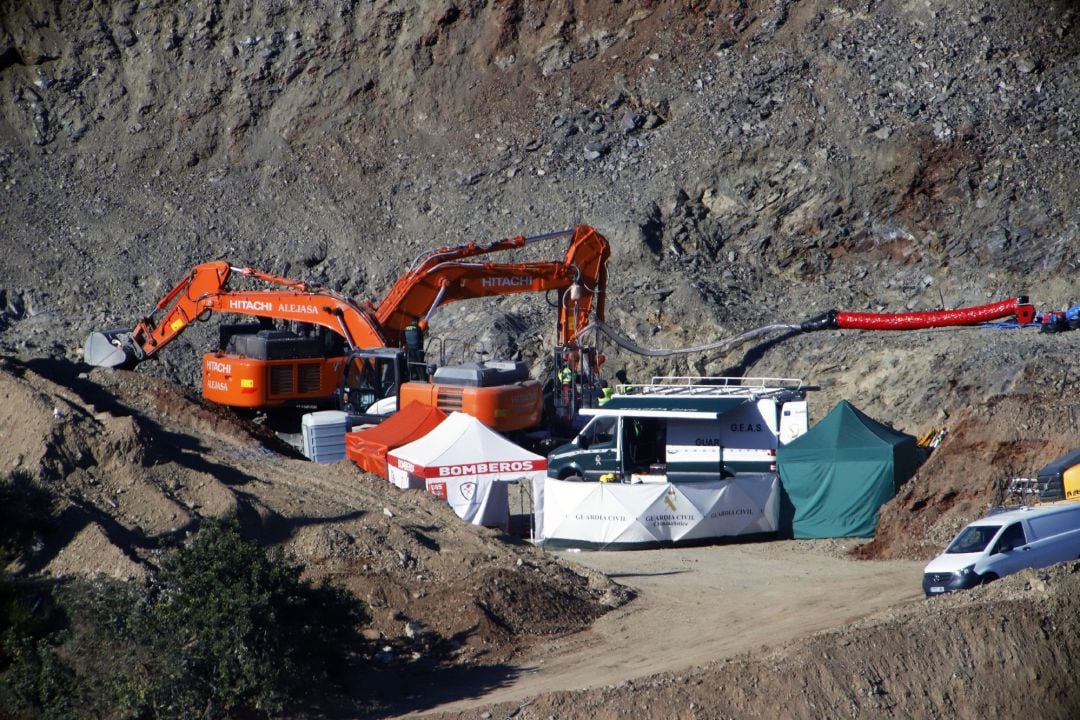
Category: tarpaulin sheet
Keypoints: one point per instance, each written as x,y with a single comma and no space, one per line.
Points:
478,499
368,447
592,514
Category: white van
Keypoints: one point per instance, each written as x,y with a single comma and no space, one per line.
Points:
1003,543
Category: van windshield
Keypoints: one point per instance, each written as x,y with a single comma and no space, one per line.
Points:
973,539
601,431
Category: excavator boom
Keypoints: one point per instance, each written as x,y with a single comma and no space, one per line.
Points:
204,290
448,275
436,278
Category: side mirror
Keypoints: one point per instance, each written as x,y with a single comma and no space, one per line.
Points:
582,442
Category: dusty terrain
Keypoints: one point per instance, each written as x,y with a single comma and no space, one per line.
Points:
750,161
137,462
468,621
696,606
997,651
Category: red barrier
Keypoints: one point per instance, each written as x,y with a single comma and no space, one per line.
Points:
1017,307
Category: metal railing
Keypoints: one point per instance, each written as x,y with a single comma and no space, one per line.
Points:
685,385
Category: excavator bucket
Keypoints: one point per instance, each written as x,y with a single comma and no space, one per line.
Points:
109,348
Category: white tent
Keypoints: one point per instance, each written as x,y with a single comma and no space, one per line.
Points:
467,464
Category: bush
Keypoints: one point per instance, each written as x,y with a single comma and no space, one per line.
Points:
26,511
223,629
34,681
245,631
31,676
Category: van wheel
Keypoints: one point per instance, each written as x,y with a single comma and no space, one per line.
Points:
574,478
987,578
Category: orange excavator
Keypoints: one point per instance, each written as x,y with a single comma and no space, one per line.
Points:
363,359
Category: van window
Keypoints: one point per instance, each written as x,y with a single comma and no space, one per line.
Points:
1055,523
973,539
600,431
1012,538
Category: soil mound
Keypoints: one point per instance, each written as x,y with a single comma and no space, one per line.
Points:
1009,437
137,462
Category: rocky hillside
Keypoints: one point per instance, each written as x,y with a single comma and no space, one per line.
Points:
750,161
747,159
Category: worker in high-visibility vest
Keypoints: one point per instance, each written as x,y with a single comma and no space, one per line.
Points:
606,391
566,379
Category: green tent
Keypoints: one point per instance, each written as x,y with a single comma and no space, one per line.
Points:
836,476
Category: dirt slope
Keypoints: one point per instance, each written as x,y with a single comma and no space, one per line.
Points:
697,606
1011,437
463,613
136,463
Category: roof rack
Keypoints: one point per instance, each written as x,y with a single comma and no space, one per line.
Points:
694,386
1015,493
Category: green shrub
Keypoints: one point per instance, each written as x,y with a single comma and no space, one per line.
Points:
223,629
32,677
245,631
34,681
26,510
110,640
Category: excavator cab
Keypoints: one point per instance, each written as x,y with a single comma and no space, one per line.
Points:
371,383
378,381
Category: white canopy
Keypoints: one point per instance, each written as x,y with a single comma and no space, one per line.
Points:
467,464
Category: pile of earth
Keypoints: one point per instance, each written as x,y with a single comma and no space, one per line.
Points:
1012,436
136,464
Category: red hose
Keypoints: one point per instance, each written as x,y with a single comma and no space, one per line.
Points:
937,318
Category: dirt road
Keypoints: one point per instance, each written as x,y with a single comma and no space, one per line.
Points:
700,605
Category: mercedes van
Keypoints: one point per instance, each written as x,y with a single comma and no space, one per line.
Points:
1003,543
679,429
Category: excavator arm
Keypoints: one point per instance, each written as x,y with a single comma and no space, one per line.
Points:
205,290
450,274
436,278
